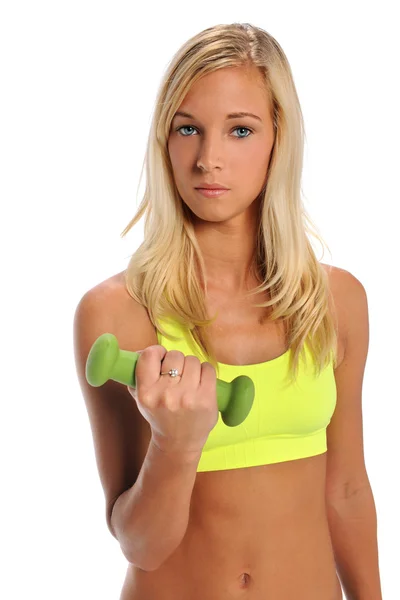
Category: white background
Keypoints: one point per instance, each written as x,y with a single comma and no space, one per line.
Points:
78,84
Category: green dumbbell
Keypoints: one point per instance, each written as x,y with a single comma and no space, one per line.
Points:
107,361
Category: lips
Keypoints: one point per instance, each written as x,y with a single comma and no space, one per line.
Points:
211,186
211,193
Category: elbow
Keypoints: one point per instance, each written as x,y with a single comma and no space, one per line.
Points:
126,548
133,554
136,562
136,554
135,551
151,564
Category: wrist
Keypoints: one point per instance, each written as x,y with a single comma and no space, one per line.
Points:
183,455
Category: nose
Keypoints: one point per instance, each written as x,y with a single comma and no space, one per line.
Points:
209,155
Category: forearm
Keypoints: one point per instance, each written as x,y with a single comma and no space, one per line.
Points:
150,519
353,529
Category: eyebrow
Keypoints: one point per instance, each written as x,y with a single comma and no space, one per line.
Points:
236,115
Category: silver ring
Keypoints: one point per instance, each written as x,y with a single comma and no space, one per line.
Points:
172,373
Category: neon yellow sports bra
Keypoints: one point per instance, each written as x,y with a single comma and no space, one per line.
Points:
286,422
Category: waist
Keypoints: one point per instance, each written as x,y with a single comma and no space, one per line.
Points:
291,560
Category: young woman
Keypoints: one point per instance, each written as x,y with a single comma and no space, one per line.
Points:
225,284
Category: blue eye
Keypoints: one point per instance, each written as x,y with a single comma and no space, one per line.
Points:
191,127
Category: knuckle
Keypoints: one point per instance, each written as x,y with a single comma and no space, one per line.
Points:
169,396
192,358
176,353
147,352
172,405
188,399
146,398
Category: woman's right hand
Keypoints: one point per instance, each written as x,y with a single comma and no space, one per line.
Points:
181,410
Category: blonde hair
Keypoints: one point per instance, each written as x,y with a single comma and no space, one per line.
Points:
161,274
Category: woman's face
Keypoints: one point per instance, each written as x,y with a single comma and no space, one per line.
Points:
211,148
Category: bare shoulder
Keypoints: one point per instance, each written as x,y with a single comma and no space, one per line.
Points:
336,281
112,290
342,283
131,321
334,273
344,287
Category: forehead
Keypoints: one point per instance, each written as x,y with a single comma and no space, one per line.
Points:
225,92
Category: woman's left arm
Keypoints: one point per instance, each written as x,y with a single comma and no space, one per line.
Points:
349,500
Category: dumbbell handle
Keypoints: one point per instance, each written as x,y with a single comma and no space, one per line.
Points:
107,361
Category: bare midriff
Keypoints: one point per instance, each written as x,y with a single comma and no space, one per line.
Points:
259,532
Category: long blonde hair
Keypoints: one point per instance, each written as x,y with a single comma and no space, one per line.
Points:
161,274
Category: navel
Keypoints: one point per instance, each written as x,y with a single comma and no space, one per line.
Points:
244,580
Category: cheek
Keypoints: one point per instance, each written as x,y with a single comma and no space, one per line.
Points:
178,157
256,164
251,169
258,156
